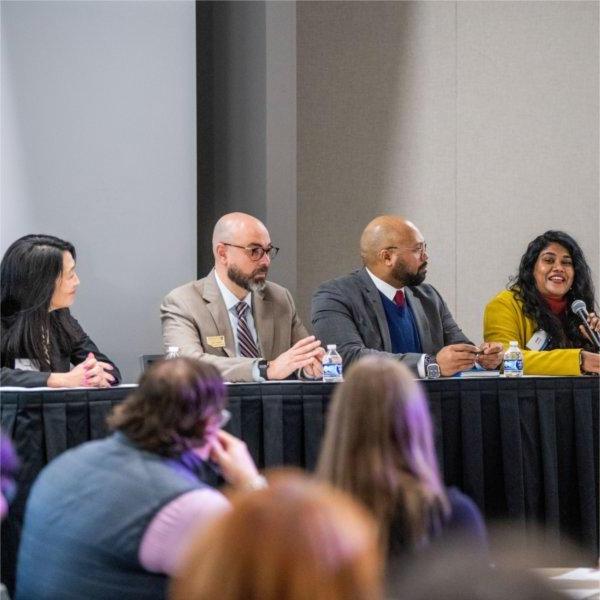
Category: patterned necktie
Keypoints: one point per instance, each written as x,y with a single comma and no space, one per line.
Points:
399,299
246,341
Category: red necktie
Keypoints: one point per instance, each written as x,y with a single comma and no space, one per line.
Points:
399,299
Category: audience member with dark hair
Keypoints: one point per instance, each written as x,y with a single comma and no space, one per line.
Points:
535,310
295,540
109,519
379,447
40,339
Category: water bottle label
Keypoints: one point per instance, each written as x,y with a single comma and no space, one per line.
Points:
513,365
332,371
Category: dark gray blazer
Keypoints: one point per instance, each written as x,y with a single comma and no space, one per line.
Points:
348,311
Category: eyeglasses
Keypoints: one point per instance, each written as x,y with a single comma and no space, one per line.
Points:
418,249
256,252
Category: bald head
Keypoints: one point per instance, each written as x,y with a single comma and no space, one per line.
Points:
235,237
384,232
394,250
238,228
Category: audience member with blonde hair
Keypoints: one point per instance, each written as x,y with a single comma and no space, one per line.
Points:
379,447
295,540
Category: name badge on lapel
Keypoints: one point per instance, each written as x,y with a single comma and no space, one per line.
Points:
216,341
538,341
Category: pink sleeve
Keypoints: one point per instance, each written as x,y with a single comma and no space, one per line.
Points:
176,525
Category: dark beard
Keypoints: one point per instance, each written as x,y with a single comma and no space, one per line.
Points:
410,279
248,282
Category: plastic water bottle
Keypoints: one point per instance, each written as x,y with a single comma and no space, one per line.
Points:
172,352
332,364
513,361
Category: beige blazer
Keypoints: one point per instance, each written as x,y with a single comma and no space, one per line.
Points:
194,316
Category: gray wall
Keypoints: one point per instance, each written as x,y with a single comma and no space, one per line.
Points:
239,107
281,142
98,147
247,150
476,120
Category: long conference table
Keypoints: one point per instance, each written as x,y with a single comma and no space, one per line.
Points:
526,450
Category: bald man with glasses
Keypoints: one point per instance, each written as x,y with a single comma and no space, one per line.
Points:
237,320
386,309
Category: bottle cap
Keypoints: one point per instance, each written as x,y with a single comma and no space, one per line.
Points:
172,349
514,343
331,346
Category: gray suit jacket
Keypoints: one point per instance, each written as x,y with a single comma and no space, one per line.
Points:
348,311
195,312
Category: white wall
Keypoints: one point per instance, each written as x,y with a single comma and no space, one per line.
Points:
476,120
98,147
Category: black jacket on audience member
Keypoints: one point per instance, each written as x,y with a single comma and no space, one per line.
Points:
464,525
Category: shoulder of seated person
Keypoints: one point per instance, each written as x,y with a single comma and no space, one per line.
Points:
274,290
505,298
458,498
66,313
424,290
186,288
344,282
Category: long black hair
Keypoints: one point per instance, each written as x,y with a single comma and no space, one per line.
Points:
562,333
28,274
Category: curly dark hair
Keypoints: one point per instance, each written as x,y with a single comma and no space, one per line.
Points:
169,411
562,333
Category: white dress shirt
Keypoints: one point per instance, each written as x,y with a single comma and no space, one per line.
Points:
231,300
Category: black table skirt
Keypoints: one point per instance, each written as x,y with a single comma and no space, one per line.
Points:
524,449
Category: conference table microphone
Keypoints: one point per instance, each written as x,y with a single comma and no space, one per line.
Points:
578,307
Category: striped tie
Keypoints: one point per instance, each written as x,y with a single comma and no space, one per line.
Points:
399,299
246,341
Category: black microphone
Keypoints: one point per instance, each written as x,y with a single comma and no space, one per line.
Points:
578,307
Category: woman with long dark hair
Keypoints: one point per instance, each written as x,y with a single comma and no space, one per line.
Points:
379,447
40,338
535,310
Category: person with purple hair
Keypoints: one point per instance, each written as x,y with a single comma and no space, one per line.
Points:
111,518
379,447
9,465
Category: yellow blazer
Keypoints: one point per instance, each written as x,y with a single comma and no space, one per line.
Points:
504,321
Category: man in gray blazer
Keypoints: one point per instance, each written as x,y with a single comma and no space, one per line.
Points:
234,318
385,308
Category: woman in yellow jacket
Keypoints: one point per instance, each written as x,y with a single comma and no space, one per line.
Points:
535,309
